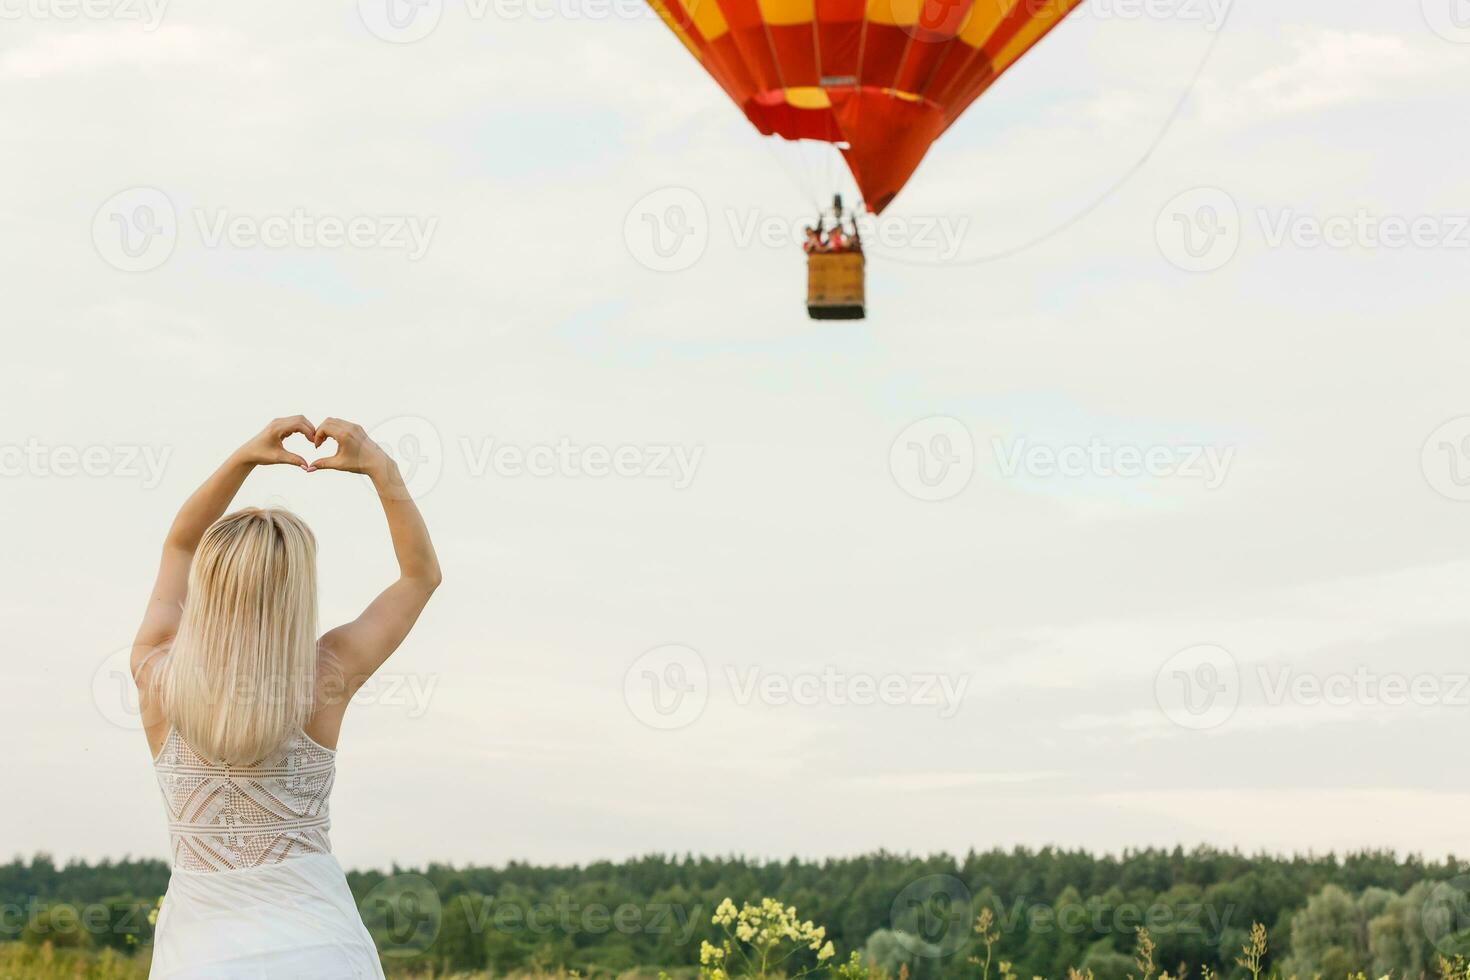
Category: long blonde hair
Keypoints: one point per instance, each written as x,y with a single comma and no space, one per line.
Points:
240,676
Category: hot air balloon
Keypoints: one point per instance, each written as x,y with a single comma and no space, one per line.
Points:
881,79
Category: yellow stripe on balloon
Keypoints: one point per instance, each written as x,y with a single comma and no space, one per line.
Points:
780,13
895,13
708,19
984,17
808,97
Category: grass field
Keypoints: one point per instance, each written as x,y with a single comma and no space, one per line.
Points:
755,949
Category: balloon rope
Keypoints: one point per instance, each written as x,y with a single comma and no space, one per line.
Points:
1107,193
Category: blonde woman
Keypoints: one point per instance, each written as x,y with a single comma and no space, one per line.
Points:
242,703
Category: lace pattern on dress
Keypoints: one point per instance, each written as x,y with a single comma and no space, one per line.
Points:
224,818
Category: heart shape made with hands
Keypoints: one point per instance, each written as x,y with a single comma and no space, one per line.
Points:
302,447
326,447
338,445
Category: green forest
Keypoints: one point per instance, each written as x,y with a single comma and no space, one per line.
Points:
997,914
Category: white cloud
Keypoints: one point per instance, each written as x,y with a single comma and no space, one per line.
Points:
1322,69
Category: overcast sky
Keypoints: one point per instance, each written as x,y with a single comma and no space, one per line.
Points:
1131,515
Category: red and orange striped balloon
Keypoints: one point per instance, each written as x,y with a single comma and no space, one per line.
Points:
880,78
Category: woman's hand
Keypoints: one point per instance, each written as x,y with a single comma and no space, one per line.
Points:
265,448
356,451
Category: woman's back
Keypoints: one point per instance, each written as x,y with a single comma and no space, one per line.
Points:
225,818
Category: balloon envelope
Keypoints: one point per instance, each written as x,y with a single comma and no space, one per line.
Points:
882,79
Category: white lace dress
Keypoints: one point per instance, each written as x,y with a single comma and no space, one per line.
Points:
255,891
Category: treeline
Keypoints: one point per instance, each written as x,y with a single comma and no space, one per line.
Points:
1053,909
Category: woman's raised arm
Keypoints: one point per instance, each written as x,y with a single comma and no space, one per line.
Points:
203,508
361,646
